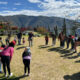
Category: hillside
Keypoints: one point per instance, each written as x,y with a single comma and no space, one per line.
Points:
24,21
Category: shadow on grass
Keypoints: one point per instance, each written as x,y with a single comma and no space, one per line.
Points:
75,76
58,49
20,47
13,78
64,53
43,46
77,61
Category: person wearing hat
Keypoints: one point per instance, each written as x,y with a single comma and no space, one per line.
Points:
26,60
6,57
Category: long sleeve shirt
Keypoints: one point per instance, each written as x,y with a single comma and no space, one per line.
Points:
8,52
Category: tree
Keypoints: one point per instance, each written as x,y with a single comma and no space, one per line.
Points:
1,27
64,27
22,29
49,28
75,26
42,30
14,28
56,31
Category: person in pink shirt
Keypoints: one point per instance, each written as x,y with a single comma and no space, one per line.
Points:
6,57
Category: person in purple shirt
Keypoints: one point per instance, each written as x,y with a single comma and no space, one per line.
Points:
26,60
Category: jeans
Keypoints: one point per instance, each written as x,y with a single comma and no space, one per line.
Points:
19,41
6,63
30,43
0,66
26,65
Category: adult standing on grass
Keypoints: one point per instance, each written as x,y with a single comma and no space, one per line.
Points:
6,57
53,39
68,40
30,39
46,39
26,60
62,39
19,36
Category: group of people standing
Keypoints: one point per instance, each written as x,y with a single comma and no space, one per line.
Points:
53,36
74,40
70,39
6,53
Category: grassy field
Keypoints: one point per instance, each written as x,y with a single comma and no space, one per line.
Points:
48,62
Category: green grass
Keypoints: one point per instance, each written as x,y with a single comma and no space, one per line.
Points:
48,62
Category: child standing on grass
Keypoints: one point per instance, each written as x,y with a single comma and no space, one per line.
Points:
23,40
1,49
15,39
26,60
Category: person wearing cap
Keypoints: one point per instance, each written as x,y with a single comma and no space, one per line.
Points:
6,57
26,60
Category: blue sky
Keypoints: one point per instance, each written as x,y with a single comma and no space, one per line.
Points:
60,8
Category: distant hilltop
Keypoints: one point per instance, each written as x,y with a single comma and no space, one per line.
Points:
34,21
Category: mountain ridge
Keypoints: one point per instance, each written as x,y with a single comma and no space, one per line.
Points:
25,21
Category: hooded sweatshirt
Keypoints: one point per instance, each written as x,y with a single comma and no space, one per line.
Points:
8,51
27,54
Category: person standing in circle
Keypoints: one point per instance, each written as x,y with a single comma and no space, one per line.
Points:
19,36
46,40
6,57
26,60
30,39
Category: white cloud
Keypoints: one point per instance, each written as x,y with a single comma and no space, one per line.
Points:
14,8
68,9
1,2
34,1
17,4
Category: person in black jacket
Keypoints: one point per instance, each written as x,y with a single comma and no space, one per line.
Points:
19,36
26,60
30,39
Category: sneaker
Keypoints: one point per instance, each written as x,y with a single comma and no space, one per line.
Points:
25,74
11,75
28,74
6,75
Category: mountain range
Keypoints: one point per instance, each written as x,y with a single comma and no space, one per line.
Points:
25,21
